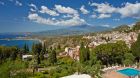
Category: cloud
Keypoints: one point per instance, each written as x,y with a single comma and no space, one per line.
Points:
70,22
105,25
101,16
33,10
1,3
67,16
83,10
33,7
128,10
116,19
104,8
45,9
18,3
67,10
93,16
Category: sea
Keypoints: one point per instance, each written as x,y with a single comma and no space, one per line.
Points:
10,40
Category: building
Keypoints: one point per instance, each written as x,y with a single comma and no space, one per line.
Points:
27,57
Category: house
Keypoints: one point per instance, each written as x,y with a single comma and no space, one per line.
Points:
71,52
27,57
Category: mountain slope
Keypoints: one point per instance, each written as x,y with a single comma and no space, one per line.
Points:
74,30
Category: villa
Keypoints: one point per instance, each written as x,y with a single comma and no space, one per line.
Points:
71,52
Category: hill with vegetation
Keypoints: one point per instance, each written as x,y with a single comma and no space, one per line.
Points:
74,30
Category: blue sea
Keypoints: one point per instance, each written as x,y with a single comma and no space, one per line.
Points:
19,43
12,42
11,36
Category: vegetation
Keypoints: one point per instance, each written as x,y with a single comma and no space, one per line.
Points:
47,58
122,28
136,48
136,26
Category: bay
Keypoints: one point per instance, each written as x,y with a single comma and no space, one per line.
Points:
19,43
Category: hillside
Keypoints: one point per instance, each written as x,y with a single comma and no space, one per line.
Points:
73,30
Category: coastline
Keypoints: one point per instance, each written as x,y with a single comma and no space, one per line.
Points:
36,39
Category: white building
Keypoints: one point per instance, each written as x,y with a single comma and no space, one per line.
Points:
25,57
78,76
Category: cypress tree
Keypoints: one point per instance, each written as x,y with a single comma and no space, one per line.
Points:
52,57
37,51
82,53
43,51
87,53
26,48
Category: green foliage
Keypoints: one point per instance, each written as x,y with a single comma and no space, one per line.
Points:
122,28
52,57
84,53
36,49
26,48
135,47
13,69
129,59
66,61
111,53
136,26
93,59
8,52
39,75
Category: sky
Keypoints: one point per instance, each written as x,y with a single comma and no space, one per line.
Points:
41,15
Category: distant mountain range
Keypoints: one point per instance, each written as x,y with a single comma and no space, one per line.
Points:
73,30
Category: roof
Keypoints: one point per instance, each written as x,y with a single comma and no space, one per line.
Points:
78,76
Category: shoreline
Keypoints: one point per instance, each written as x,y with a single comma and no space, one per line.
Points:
41,41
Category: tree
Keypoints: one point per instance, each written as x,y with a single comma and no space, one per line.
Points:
135,47
43,51
129,59
87,53
37,51
111,53
52,57
93,58
14,51
26,48
82,50
136,26
84,53
9,69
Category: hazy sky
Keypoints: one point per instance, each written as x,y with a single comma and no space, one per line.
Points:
38,15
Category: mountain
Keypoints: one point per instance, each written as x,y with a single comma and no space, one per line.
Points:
136,26
73,30
122,28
